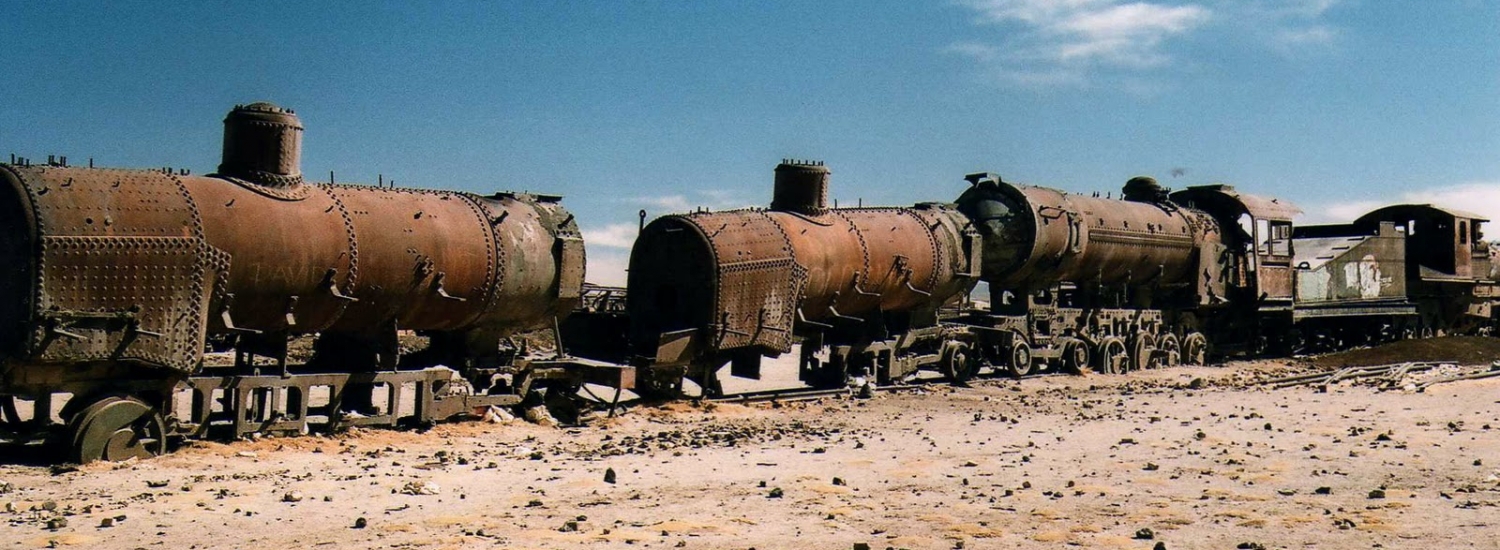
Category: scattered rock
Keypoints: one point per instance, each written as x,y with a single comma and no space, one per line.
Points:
292,496
1377,493
361,523
775,493
57,523
1145,533
157,484
420,488
106,523
609,475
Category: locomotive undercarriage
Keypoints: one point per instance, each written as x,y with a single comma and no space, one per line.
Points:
116,410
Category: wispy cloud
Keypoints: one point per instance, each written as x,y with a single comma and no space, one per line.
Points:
1481,198
1045,43
713,199
618,235
607,267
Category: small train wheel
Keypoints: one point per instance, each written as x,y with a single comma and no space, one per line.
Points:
1112,357
1168,350
1020,359
1195,349
1075,357
957,362
115,429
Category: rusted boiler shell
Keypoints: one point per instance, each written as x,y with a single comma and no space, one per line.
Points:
747,275
137,266
1035,236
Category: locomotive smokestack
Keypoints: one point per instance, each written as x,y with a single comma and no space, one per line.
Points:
1144,189
263,145
801,186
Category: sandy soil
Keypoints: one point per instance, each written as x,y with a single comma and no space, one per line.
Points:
1186,457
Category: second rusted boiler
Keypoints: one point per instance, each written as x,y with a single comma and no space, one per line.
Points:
714,287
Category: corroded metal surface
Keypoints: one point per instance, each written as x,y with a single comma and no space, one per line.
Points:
1036,236
746,277
132,269
121,268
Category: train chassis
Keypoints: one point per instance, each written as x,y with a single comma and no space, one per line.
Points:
138,419
1047,339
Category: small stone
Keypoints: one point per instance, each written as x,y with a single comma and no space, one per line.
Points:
775,493
57,523
1251,546
246,454
1159,546
1151,467
1343,524
1197,384
838,481
361,523
609,475
157,484
420,488
861,546
106,523
294,496
569,527
1145,533
1323,491
1377,493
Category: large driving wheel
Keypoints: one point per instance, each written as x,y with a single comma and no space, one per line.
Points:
115,429
1112,357
1194,349
1075,357
1168,351
1020,359
1141,349
957,362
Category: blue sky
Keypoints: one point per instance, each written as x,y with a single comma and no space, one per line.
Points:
1337,105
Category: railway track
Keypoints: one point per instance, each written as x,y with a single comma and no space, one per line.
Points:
808,394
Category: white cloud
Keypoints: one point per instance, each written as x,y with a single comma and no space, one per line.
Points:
607,267
1071,42
712,199
1481,198
619,235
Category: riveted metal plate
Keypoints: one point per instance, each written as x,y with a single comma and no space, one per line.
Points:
759,281
122,298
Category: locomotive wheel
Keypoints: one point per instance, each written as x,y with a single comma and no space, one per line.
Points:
1075,357
1112,357
1194,349
116,429
1141,350
1020,359
958,363
1169,351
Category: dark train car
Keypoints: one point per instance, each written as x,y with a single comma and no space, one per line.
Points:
1401,271
713,288
1152,279
115,281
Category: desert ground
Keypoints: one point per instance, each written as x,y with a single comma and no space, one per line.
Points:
1178,458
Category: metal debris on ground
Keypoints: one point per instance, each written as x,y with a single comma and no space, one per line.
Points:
1414,376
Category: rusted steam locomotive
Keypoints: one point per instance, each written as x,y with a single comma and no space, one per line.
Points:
116,281
1076,282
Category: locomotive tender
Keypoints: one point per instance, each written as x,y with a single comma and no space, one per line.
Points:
116,280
